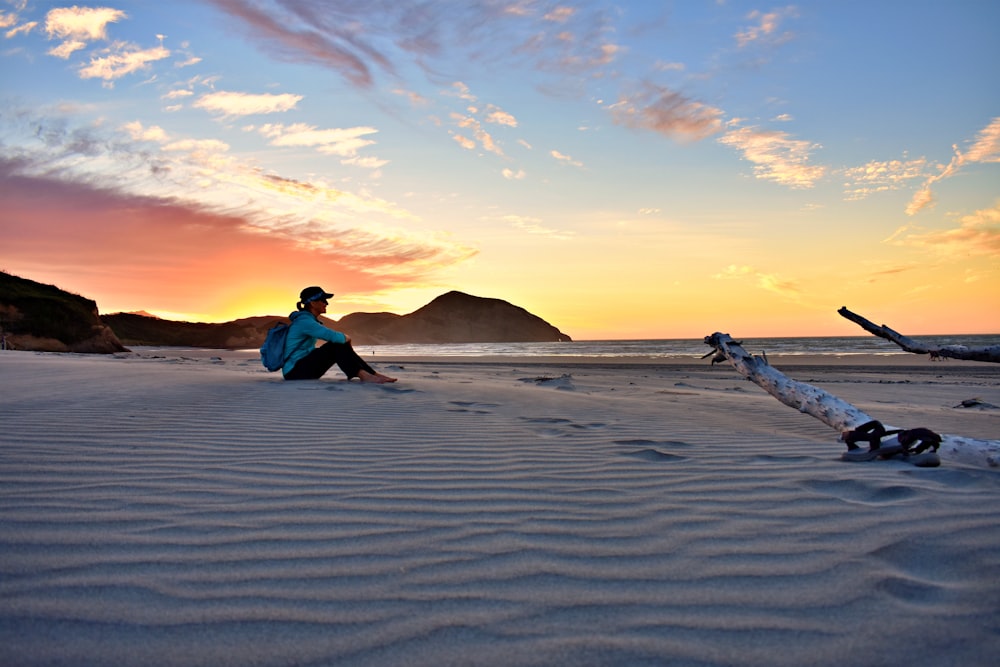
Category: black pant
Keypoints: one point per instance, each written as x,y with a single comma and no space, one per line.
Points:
316,363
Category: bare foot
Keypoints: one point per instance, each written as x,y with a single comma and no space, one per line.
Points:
375,378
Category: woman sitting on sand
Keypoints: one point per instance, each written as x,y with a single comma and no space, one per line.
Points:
305,361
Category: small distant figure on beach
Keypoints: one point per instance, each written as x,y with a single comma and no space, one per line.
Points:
305,361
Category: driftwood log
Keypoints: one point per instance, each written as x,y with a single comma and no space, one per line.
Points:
832,411
989,353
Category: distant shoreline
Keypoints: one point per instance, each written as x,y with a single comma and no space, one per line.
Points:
898,360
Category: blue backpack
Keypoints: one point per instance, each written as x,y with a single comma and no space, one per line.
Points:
272,354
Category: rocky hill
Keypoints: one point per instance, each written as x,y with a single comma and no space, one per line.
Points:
454,317
135,329
34,316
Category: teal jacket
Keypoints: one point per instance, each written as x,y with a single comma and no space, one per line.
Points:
302,337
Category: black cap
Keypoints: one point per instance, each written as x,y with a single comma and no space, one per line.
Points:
313,293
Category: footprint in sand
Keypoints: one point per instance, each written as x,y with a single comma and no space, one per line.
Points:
394,389
653,455
866,493
652,444
472,406
558,426
563,382
567,422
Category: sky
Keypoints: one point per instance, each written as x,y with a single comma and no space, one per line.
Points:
624,170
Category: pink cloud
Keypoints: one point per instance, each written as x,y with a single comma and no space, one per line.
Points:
776,156
668,112
167,255
985,149
332,43
976,234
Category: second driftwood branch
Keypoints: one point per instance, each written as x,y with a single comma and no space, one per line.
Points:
989,353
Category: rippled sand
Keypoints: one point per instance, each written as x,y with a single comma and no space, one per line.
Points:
195,510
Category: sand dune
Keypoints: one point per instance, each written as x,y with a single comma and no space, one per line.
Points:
180,509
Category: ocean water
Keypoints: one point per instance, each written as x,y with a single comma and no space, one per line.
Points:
673,348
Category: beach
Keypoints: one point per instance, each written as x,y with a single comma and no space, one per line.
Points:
188,508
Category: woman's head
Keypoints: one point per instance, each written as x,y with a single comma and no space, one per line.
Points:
312,297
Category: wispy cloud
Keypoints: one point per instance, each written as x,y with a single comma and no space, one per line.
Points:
769,282
369,162
77,26
121,60
776,156
228,103
664,66
987,145
188,62
10,21
460,90
342,142
138,132
345,142
765,27
881,176
464,142
985,148
660,109
473,118
472,125
197,147
497,116
415,99
976,234
296,31
178,93
535,227
67,48
560,14
565,159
